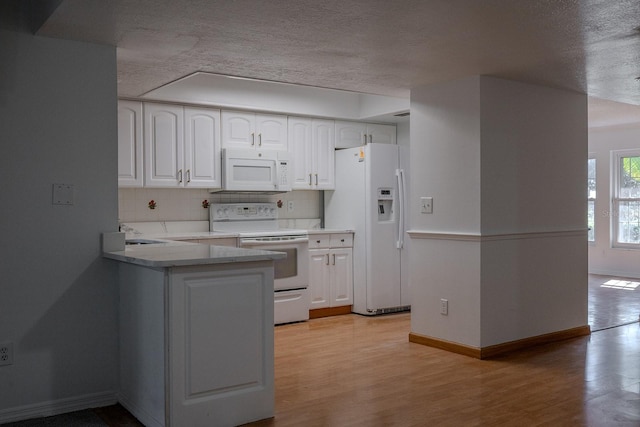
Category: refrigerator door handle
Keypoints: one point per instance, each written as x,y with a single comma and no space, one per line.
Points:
400,179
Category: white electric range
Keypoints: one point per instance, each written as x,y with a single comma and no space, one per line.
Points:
257,227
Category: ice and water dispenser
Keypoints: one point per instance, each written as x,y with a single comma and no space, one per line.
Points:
385,204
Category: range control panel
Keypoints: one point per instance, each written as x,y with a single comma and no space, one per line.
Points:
242,211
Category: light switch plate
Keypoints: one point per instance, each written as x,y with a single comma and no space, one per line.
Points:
426,205
62,194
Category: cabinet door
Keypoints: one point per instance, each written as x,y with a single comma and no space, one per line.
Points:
238,130
323,156
202,148
319,278
350,134
300,152
130,144
271,132
383,134
342,277
163,145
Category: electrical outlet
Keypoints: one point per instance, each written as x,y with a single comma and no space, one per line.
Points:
444,306
290,206
6,353
426,205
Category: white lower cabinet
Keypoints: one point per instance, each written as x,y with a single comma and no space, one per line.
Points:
331,270
181,364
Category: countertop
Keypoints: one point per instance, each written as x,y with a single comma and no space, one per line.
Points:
179,254
330,231
185,235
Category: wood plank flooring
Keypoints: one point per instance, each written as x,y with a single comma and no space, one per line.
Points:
353,370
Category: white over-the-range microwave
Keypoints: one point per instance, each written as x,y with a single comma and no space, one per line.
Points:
253,171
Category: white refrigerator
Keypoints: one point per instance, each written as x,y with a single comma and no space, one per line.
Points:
369,197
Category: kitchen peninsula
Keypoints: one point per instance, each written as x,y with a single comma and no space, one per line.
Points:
196,333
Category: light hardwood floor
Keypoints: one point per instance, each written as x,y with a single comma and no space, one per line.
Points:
353,370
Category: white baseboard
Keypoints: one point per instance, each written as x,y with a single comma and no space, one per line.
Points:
141,415
55,407
626,274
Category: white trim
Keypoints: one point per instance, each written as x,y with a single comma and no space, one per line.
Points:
55,407
616,156
141,415
468,237
615,273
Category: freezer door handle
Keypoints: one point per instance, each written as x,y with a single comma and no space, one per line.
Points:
400,179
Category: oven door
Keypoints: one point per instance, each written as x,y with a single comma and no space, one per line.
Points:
291,272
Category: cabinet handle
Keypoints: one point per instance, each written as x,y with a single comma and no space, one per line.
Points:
253,139
316,179
327,259
364,138
188,175
334,259
260,139
370,139
310,179
180,176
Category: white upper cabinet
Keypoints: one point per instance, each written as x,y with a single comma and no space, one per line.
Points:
323,154
254,131
312,146
202,148
300,152
382,134
130,161
350,134
163,145
355,134
179,156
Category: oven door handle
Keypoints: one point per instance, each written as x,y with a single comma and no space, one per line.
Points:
257,242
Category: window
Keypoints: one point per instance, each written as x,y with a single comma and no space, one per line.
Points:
591,197
626,199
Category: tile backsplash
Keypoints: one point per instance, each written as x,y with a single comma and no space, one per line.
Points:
183,204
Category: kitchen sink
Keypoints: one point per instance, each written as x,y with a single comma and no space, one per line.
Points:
141,242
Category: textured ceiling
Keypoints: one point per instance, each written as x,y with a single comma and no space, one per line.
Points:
373,46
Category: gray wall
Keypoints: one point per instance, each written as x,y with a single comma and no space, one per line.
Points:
57,295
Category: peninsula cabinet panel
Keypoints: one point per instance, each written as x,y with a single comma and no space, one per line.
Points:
181,363
130,160
213,384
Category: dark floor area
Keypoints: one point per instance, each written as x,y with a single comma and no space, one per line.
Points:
108,416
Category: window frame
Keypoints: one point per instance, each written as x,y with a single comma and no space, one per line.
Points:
616,157
592,199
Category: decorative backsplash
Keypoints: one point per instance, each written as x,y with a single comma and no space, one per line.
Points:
180,204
